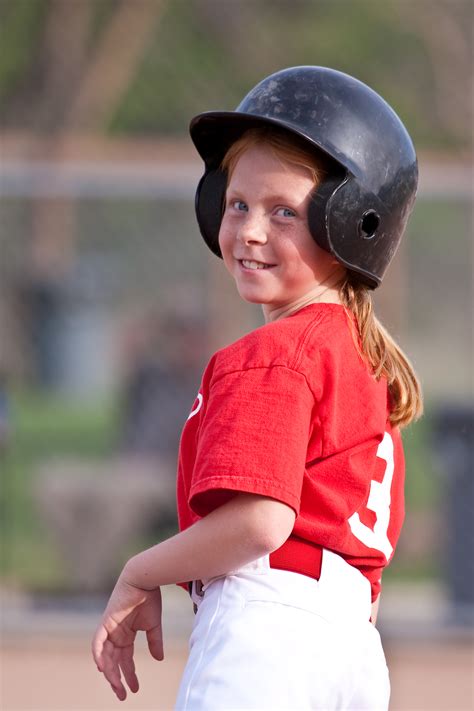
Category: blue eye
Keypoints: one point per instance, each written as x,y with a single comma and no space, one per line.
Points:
285,212
240,205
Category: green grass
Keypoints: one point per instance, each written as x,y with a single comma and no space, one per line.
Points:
43,427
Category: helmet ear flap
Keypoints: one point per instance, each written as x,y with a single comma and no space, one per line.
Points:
318,214
209,204
345,222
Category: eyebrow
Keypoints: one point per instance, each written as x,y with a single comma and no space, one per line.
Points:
277,198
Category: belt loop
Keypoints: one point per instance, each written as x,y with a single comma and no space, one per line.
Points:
196,591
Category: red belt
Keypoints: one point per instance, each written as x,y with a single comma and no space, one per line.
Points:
298,556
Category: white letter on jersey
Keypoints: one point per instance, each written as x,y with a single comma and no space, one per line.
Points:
379,503
197,408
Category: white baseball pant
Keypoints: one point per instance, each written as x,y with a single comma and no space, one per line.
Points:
268,640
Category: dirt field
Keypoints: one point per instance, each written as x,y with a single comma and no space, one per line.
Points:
46,664
57,675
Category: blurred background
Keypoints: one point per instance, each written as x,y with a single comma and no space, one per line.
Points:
110,305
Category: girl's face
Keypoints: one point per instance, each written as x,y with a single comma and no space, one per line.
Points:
264,236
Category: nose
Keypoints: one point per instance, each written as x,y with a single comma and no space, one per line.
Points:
253,230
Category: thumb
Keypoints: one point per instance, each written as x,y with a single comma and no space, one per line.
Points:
155,642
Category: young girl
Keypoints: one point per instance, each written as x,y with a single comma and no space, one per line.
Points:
290,478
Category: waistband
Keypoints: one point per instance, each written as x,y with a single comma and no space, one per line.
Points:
341,593
295,555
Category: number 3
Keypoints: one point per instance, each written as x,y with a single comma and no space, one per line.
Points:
379,503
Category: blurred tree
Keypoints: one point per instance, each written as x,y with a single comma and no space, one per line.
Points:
20,30
207,53
109,72
146,66
447,38
54,69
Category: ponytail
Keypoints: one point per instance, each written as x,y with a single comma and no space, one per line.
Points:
382,353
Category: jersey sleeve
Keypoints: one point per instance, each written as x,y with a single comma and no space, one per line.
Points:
253,438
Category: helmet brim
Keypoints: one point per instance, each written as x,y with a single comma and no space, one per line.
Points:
213,132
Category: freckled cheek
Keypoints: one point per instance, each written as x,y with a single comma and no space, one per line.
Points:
225,244
296,256
299,264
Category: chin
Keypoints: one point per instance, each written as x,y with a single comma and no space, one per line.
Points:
253,298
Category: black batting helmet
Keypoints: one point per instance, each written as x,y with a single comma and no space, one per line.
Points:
359,213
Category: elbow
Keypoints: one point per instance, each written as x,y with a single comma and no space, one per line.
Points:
271,525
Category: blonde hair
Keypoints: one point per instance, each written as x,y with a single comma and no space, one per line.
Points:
383,354
373,341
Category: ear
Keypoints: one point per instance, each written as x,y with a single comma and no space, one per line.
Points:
209,204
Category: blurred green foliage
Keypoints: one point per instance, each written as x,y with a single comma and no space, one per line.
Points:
206,54
21,24
200,60
102,13
187,61
422,478
44,427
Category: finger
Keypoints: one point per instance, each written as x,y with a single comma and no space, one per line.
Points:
155,642
127,666
111,669
98,646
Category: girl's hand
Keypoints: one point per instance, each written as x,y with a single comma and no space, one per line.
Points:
129,609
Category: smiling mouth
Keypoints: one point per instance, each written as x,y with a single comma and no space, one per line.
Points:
251,264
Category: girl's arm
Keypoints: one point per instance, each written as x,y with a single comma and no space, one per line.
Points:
241,530
244,529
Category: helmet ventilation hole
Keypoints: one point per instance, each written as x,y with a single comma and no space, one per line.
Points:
368,224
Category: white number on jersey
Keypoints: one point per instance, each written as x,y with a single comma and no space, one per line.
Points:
198,406
379,503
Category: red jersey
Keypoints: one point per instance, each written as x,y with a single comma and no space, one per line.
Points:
293,412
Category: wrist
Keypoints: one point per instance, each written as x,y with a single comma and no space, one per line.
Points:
135,574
